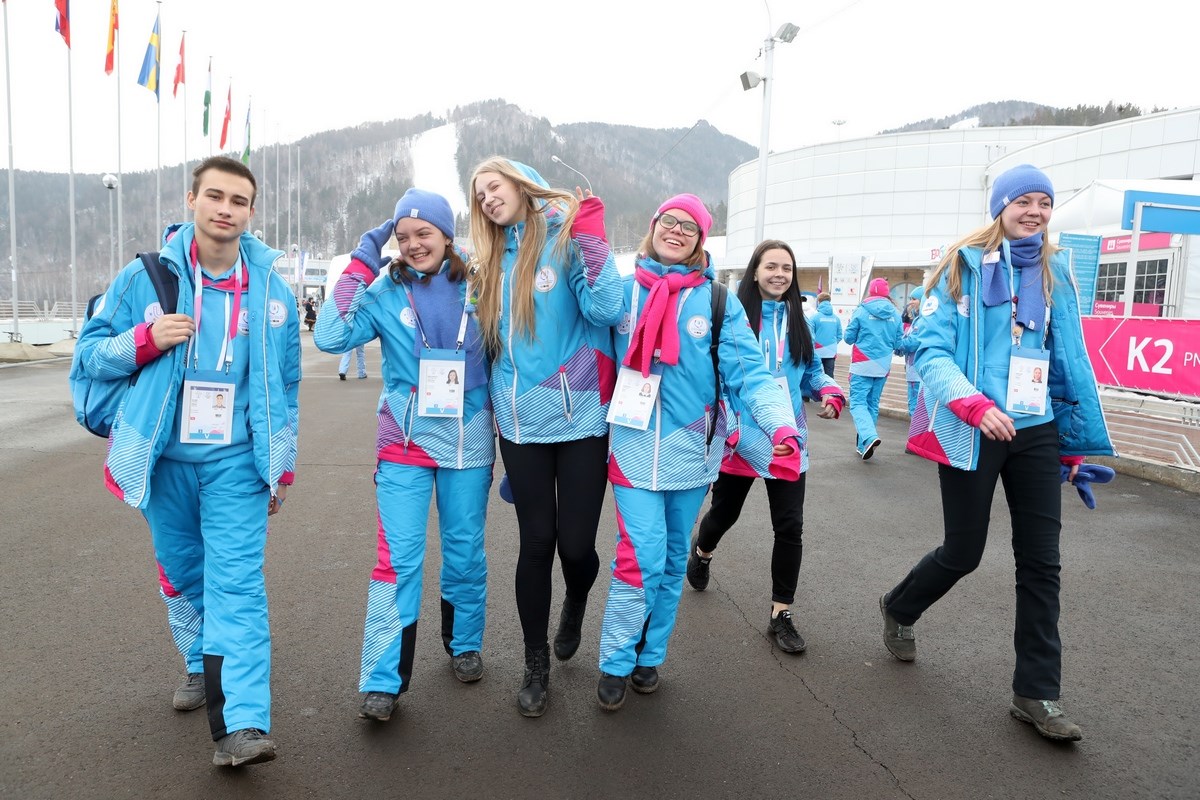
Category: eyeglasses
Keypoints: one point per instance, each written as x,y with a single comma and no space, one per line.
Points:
669,221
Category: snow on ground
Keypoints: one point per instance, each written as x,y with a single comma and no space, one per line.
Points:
435,165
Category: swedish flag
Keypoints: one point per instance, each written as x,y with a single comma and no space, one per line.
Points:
149,74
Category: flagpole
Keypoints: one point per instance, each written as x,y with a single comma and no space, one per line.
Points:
12,183
71,194
158,220
278,202
120,174
186,185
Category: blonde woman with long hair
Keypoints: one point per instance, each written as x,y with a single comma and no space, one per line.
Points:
1001,305
549,291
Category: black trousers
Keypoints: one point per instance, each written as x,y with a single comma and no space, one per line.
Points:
1029,469
558,490
786,500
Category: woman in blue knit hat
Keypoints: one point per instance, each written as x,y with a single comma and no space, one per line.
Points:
435,438
1000,306
548,291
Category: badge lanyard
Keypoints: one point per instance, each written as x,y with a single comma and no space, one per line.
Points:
1029,367
780,329
442,372
462,323
225,357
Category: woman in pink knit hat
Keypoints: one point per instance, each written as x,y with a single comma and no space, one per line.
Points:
874,331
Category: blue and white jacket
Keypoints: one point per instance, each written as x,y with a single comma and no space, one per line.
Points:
875,330
826,330
556,386
952,365
116,341
811,375
363,307
673,452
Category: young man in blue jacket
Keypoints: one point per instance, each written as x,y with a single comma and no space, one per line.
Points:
205,473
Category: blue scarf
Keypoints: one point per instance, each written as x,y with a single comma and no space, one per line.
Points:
439,308
1026,255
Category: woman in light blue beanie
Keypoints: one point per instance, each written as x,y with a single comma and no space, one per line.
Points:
998,307
435,438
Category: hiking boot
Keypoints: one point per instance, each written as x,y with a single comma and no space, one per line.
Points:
533,694
899,639
610,691
1047,717
784,632
468,666
378,706
247,746
697,568
190,694
570,628
644,680
870,451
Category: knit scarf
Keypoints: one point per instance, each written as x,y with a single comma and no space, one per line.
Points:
658,325
1025,254
439,310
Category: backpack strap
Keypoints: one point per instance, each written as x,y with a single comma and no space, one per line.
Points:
718,317
166,285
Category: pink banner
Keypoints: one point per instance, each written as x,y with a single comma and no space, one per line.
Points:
1153,355
1147,241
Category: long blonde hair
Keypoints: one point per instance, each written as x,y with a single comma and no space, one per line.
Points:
987,239
489,241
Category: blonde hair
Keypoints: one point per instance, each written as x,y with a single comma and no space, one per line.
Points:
987,239
489,241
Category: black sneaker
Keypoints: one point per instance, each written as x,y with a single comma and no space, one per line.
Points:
468,666
610,691
341,376
870,451
697,569
644,680
784,632
247,746
378,706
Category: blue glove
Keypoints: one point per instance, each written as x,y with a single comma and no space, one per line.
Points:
370,246
505,489
1087,475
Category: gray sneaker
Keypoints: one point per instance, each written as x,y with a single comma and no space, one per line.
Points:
899,639
190,695
378,706
1047,717
468,666
247,746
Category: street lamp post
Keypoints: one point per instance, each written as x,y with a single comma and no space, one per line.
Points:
110,182
786,33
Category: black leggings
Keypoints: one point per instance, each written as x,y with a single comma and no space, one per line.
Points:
786,500
1028,468
558,490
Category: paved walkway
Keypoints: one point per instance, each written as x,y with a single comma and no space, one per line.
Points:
89,668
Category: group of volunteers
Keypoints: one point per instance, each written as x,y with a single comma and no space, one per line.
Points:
662,383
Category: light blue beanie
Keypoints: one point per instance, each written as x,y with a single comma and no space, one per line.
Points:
1017,181
431,207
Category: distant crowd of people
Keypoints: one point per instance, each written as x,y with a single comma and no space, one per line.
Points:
664,384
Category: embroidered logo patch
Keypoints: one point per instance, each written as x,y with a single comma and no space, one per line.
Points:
277,313
244,322
697,326
408,318
929,306
546,279
625,325
964,306
153,312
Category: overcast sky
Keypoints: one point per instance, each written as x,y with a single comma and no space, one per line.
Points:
318,66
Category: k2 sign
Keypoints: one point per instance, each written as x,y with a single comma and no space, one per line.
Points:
1153,355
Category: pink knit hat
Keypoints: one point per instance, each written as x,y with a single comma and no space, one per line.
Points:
879,288
692,205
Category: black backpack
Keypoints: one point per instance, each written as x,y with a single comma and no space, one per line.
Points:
718,316
97,401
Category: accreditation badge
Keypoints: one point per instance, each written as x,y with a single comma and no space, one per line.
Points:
440,385
633,398
207,412
1028,376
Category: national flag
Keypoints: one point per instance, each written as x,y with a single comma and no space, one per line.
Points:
149,74
112,39
62,22
179,69
228,113
208,96
246,152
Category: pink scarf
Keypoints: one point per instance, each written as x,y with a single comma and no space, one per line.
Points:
658,326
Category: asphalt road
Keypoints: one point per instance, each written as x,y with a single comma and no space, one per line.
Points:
89,668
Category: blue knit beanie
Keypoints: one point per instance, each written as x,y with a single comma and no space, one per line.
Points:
433,208
1017,181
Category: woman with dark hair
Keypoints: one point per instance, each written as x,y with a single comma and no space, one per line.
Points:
421,308
772,300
